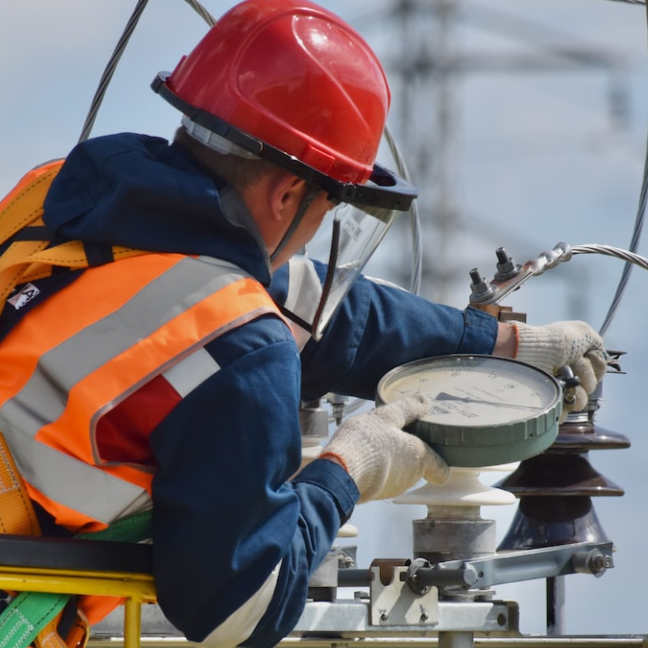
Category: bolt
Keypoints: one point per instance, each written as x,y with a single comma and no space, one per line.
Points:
479,287
599,563
506,266
346,562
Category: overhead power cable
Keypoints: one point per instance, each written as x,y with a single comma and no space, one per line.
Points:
109,71
634,243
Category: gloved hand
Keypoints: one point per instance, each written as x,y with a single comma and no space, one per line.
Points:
574,344
383,460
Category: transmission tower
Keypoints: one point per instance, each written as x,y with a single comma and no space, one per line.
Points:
425,70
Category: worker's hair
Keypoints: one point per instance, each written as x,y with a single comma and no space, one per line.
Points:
237,171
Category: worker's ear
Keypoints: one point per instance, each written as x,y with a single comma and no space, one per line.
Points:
286,192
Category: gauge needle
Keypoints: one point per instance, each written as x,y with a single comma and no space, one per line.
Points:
464,399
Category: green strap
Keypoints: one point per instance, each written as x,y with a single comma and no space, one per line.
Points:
27,615
29,612
132,528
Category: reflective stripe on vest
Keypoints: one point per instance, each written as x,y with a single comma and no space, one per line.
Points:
90,346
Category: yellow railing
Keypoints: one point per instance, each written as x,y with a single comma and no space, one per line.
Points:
82,568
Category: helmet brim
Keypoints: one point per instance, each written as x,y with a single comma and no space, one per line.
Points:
384,189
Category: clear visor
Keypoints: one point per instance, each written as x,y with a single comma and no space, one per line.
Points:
346,240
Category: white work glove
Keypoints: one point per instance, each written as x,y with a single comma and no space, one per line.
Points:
573,344
383,460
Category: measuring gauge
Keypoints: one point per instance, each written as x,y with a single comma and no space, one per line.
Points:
486,410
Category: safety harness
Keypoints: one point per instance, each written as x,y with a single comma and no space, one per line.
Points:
28,252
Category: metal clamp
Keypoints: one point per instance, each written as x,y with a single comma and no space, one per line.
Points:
394,603
510,276
514,566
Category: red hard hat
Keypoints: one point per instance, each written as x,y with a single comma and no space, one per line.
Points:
294,76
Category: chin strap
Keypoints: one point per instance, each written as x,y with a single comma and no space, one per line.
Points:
306,202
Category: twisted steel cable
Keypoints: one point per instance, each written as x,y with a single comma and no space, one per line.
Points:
634,243
609,250
111,66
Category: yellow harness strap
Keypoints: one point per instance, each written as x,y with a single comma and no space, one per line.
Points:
17,517
49,636
28,256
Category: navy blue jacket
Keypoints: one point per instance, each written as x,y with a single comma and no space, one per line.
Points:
226,511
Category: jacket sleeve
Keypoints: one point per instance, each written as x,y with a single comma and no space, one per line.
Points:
235,539
376,328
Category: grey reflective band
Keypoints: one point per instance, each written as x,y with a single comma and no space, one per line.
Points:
58,475
186,375
75,484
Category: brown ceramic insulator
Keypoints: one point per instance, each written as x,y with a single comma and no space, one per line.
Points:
551,521
552,474
583,436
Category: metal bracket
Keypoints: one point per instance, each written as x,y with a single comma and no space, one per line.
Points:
396,604
514,566
502,284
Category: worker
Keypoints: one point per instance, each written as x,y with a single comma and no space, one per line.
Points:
168,374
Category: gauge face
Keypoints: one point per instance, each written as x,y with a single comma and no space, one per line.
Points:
474,391
485,411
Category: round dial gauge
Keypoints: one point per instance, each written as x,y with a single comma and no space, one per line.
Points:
486,410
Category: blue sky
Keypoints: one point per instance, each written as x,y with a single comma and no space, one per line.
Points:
535,159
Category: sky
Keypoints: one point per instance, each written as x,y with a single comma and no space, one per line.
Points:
532,157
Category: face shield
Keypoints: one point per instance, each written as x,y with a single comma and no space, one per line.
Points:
347,239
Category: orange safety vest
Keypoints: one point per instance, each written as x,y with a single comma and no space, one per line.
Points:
88,347
81,354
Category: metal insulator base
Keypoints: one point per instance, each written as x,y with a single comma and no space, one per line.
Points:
438,540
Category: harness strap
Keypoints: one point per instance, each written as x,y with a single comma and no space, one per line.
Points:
17,515
24,203
49,637
27,615
136,527
29,253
